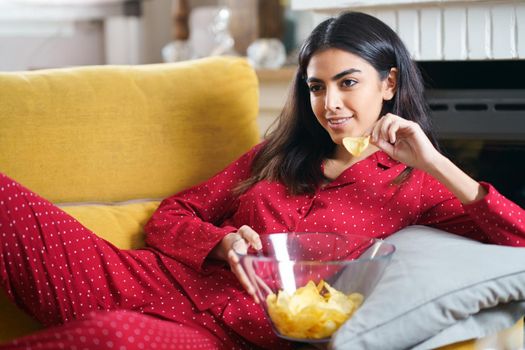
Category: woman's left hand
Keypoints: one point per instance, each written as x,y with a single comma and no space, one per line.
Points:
404,141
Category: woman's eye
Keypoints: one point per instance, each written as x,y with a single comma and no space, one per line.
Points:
348,82
314,88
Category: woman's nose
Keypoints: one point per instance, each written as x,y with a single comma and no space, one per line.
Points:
333,101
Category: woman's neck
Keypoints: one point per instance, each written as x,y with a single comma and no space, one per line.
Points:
342,156
342,160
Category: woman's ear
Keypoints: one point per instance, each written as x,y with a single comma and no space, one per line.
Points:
390,85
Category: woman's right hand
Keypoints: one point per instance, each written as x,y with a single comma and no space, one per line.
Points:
239,242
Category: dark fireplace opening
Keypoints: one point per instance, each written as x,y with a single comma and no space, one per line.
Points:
478,111
478,75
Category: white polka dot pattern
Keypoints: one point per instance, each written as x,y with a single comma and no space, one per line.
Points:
60,272
118,330
362,200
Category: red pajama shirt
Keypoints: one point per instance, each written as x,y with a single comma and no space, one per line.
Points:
362,200
169,295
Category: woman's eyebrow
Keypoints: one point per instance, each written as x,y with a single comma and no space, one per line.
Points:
335,77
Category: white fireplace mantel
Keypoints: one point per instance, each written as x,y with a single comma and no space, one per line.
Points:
442,29
328,5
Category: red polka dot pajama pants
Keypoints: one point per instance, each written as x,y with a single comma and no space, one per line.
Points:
117,330
88,293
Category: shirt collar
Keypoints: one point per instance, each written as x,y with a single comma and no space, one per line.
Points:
353,174
383,160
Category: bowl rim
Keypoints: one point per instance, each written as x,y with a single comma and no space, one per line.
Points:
375,240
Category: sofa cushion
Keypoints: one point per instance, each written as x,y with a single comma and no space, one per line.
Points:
115,133
439,289
121,224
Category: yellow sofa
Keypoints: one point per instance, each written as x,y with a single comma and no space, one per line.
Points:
107,143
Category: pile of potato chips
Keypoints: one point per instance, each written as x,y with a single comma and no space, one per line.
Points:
312,312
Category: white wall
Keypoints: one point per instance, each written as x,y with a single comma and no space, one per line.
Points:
29,45
45,43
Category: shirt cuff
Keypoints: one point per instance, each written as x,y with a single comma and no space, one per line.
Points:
490,200
210,244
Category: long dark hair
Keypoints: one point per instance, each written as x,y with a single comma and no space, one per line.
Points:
297,145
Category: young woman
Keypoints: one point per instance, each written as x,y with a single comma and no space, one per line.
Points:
355,78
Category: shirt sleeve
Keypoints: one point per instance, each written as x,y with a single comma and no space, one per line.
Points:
492,219
187,225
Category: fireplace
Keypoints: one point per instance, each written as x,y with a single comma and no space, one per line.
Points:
472,56
478,111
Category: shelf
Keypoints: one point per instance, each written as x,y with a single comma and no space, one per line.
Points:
284,74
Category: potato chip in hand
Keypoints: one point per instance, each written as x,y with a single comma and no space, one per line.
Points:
311,312
356,145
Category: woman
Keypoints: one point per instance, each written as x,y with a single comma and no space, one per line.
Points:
355,78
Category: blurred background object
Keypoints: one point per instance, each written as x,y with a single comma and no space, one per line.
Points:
210,35
268,51
243,23
179,48
37,34
200,32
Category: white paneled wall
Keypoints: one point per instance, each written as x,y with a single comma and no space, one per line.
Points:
454,39
504,38
479,33
443,30
520,23
408,29
431,34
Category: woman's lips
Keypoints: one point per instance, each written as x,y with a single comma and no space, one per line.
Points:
337,123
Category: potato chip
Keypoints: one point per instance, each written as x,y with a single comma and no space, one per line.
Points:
356,145
312,311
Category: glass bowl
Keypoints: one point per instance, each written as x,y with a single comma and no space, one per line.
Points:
291,271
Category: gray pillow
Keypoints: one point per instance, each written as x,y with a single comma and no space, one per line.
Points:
438,289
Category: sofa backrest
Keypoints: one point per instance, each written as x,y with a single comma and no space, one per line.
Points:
117,133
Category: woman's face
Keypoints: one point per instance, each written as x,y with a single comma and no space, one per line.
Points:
346,93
